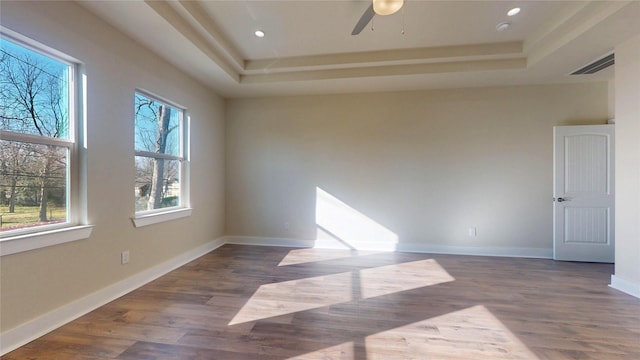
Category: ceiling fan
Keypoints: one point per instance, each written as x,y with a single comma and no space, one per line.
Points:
379,7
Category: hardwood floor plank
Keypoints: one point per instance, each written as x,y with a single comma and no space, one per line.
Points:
155,351
250,302
63,346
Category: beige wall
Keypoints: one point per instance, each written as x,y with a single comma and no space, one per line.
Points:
628,164
36,282
424,165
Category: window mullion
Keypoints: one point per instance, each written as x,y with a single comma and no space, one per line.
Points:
158,155
34,139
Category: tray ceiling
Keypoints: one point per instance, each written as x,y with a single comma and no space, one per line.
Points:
308,47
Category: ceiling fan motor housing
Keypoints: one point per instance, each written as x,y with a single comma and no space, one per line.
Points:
387,7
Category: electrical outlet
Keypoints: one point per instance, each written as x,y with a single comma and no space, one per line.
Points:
286,226
125,257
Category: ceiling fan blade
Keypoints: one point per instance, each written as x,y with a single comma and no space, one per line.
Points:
364,20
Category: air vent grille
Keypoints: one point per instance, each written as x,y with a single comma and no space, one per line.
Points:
596,66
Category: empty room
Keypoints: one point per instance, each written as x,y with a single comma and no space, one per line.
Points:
307,179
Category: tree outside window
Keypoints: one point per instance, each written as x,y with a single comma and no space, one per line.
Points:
36,137
159,154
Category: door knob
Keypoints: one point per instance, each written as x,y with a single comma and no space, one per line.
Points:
560,199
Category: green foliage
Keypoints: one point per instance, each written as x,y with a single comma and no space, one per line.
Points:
28,216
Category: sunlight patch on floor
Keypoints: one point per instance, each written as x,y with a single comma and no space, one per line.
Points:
416,274
342,351
303,256
471,333
286,297
271,300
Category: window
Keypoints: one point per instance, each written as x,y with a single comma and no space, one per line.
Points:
39,163
161,167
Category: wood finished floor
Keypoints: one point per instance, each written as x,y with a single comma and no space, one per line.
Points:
249,302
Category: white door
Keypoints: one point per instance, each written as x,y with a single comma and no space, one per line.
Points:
583,207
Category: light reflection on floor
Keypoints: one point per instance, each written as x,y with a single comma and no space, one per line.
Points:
466,334
271,300
303,256
342,351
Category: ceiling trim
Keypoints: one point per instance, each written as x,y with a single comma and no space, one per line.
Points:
387,70
568,26
399,55
191,20
166,11
199,15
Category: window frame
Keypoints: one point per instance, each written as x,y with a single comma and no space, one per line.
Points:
154,216
75,227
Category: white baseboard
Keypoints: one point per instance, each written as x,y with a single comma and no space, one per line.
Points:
266,241
625,286
22,334
538,253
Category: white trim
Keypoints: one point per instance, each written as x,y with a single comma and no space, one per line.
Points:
35,46
26,242
625,286
266,241
154,218
538,253
159,98
22,334
517,252
38,139
158,155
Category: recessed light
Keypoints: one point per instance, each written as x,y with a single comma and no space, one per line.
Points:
503,26
259,33
514,11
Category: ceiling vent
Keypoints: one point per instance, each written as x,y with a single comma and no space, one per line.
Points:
596,66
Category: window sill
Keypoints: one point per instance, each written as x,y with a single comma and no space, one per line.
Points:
20,243
150,219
